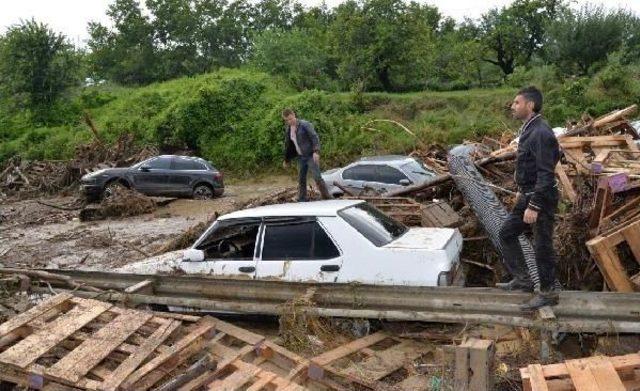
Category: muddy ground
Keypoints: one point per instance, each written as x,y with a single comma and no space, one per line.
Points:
36,235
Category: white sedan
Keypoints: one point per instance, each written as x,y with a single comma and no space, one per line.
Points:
340,241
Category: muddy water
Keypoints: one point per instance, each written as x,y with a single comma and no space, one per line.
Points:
34,235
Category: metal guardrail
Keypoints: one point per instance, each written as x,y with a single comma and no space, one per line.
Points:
577,311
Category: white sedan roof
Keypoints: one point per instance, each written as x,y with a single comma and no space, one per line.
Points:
313,208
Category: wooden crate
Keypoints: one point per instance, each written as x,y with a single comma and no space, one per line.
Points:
604,250
598,373
89,344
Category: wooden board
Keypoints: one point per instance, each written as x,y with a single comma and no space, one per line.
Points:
40,309
31,348
94,349
202,328
538,382
603,249
439,214
596,373
349,348
117,377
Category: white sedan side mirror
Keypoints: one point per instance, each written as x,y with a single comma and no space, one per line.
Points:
193,255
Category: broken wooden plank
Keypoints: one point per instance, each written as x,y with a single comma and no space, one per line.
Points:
349,348
568,192
143,287
474,362
610,265
153,377
204,326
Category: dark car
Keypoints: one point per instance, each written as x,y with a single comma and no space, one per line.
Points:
167,175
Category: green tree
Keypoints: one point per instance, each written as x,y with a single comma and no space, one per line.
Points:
579,40
512,35
37,66
384,44
125,54
297,55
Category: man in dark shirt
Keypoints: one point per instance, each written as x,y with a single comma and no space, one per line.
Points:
537,201
301,141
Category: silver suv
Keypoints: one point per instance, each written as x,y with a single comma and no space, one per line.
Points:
381,173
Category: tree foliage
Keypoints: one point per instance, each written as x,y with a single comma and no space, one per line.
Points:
514,34
37,66
579,40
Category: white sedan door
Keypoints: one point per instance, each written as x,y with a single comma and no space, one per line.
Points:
298,249
229,248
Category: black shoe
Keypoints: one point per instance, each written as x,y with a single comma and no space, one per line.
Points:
517,284
540,300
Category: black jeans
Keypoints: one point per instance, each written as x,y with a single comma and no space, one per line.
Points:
304,165
543,240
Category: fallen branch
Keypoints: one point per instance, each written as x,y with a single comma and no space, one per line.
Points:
131,247
50,276
365,126
446,177
24,178
59,206
344,189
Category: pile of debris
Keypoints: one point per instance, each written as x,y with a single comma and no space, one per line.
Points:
599,176
122,202
34,178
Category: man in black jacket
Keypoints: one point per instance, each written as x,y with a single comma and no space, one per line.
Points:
301,141
537,201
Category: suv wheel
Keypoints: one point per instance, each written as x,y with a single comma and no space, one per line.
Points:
202,192
111,188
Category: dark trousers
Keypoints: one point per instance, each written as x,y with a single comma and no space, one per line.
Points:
543,240
306,164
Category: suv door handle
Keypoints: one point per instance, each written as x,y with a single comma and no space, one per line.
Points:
329,268
247,269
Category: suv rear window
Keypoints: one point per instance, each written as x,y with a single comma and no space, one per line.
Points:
374,225
187,164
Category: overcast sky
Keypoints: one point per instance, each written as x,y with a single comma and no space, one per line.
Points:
71,16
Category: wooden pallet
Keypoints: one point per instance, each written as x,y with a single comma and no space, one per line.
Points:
363,363
248,361
604,250
70,343
578,150
89,344
598,373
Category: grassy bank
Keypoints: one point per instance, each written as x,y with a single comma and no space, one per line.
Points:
232,118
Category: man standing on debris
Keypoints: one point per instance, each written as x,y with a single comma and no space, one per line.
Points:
537,201
301,141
